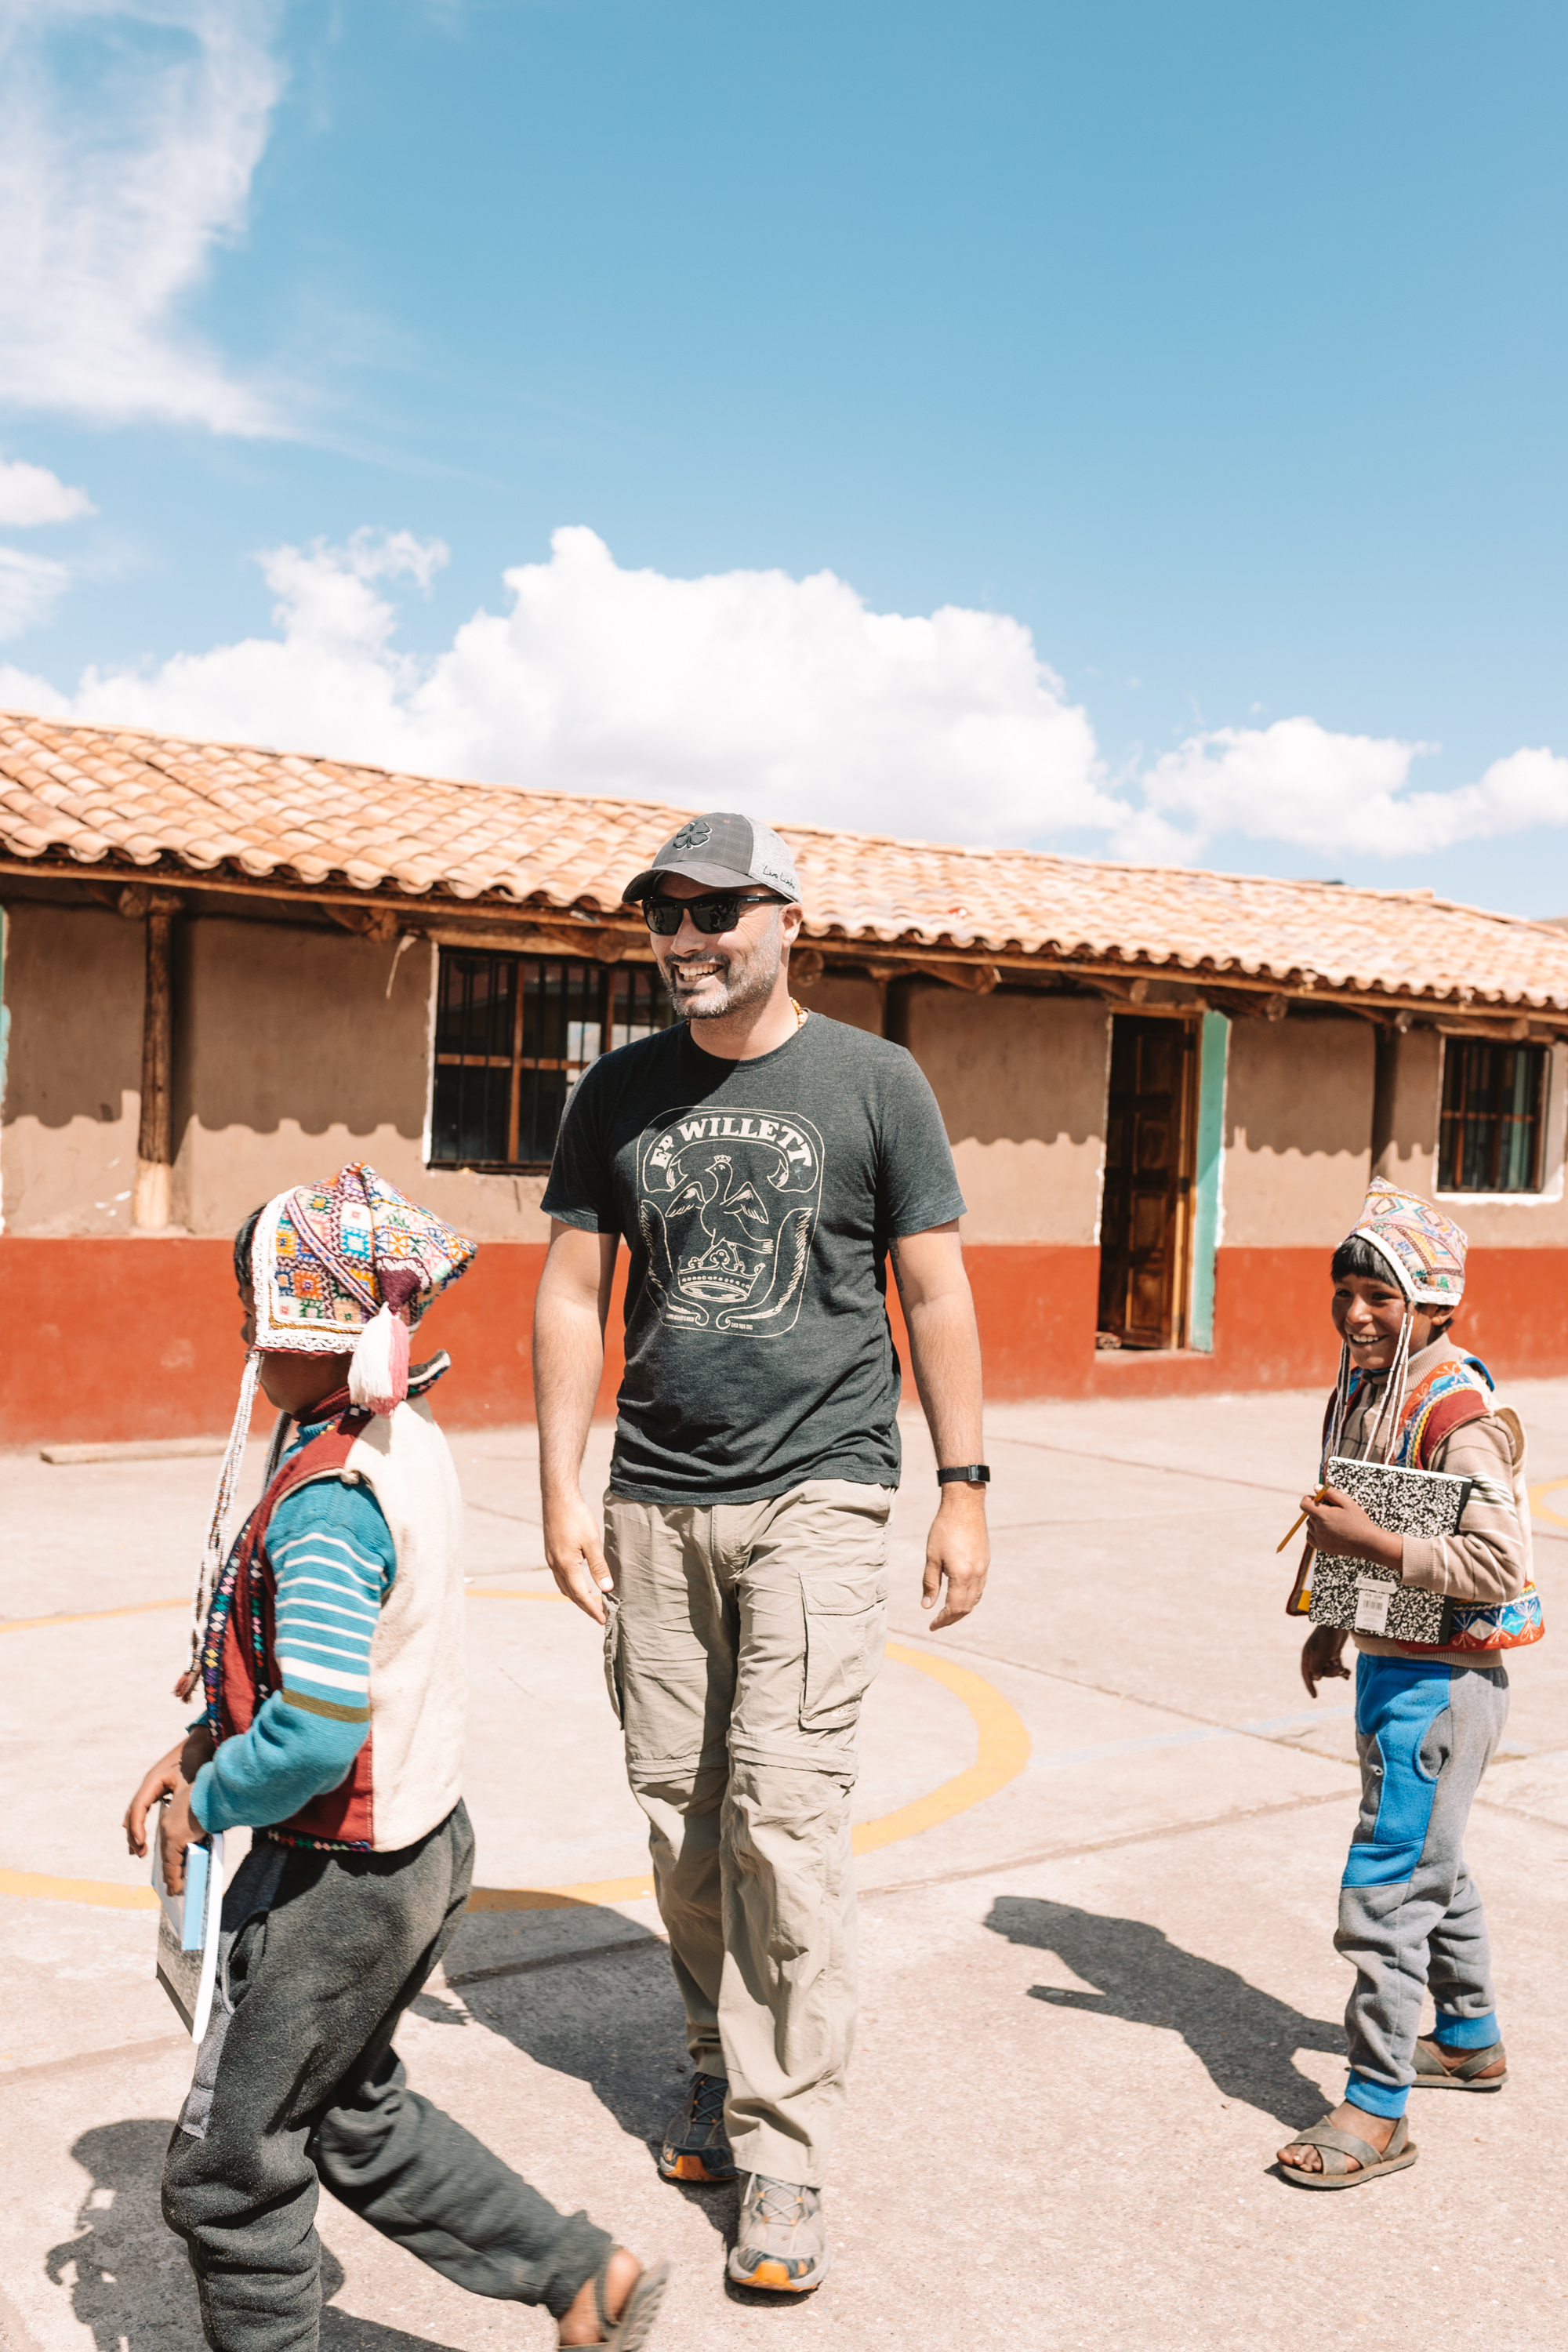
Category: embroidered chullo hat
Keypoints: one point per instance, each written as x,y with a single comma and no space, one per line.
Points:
338,1268
1424,1249
343,1269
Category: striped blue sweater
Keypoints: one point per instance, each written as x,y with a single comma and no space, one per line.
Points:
331,1557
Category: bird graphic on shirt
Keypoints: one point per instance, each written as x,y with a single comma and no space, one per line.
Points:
725,1271
727,1220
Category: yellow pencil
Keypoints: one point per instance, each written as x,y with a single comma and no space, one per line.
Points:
1301,1522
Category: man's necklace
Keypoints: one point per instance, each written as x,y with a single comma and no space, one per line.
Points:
799,1012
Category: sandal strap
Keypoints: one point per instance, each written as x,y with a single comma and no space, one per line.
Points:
1328,2139
1475,2062
601,2281
637,2312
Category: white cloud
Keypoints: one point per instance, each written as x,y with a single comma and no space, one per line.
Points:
1528,788
31,494
30,587
129,133
746,688
1299,782
750,689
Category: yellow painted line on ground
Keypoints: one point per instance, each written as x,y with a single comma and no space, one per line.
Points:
131,1609
1549,1487
141,1608
1003,1752
102,1891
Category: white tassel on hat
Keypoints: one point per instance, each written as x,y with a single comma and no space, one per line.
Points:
378,1370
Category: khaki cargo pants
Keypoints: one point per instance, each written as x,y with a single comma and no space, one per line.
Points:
741,1640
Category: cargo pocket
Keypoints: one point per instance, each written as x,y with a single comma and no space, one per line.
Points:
613,1667
846,1626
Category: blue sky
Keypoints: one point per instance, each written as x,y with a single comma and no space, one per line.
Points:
1200,367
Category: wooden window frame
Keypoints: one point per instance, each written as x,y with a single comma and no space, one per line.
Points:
1455,1119
516,1061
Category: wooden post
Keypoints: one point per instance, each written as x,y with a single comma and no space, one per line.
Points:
154,1143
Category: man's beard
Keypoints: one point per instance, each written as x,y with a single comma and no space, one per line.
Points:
754,982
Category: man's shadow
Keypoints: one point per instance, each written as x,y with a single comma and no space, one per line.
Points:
127,2275
1247,2039
611,2015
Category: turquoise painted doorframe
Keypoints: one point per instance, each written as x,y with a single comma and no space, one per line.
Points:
1214,1047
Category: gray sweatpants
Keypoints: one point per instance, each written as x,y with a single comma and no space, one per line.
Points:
296,2083
1410,1912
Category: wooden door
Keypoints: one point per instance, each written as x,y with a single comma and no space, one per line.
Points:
1145,1212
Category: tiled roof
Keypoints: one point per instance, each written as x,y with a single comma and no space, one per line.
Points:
99,796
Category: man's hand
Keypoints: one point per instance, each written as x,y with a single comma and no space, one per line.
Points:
575,1549
1322,1658
944,1352
1337,1527
959,1547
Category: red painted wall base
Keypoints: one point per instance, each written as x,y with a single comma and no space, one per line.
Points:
117,1339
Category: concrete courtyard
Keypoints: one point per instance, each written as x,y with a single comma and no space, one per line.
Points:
1102,1829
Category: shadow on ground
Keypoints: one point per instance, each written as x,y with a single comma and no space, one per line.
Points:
1247,2039
609,2013
127,2275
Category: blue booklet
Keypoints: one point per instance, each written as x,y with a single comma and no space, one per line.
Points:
188,1926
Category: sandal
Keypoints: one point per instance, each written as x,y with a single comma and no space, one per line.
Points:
1431,2075
1334,2145
635,2325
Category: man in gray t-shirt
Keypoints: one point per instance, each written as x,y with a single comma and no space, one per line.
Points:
762,1166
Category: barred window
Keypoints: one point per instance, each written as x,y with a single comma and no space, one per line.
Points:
514,1036
1494,1104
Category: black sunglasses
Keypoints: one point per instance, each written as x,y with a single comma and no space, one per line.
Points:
717,910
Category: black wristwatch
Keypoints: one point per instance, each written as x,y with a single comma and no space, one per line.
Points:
970,1473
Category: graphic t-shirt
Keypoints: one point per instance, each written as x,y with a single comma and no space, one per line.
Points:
757,1200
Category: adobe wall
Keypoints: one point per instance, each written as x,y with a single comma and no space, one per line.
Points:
73,984
1298,1132
294,1055
1410,1095
1021,1082
860,1003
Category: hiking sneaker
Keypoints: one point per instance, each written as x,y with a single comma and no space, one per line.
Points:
696,2145
783,2239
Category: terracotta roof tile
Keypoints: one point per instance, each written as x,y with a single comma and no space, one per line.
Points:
93,794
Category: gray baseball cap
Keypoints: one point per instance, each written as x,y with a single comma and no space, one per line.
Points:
725,852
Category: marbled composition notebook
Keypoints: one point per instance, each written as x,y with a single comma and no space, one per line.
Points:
1360,1596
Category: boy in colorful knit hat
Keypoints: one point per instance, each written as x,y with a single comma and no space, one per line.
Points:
1428,1718
330,1646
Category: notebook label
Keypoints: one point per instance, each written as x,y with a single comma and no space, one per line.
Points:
1372,1599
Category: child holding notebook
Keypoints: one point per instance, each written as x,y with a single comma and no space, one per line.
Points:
329,1648
1427,1718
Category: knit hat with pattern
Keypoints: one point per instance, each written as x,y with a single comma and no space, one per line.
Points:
1424,1249
344,1267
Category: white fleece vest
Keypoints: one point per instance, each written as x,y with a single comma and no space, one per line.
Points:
418,1670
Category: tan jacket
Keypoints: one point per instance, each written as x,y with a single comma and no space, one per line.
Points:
1489,1555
